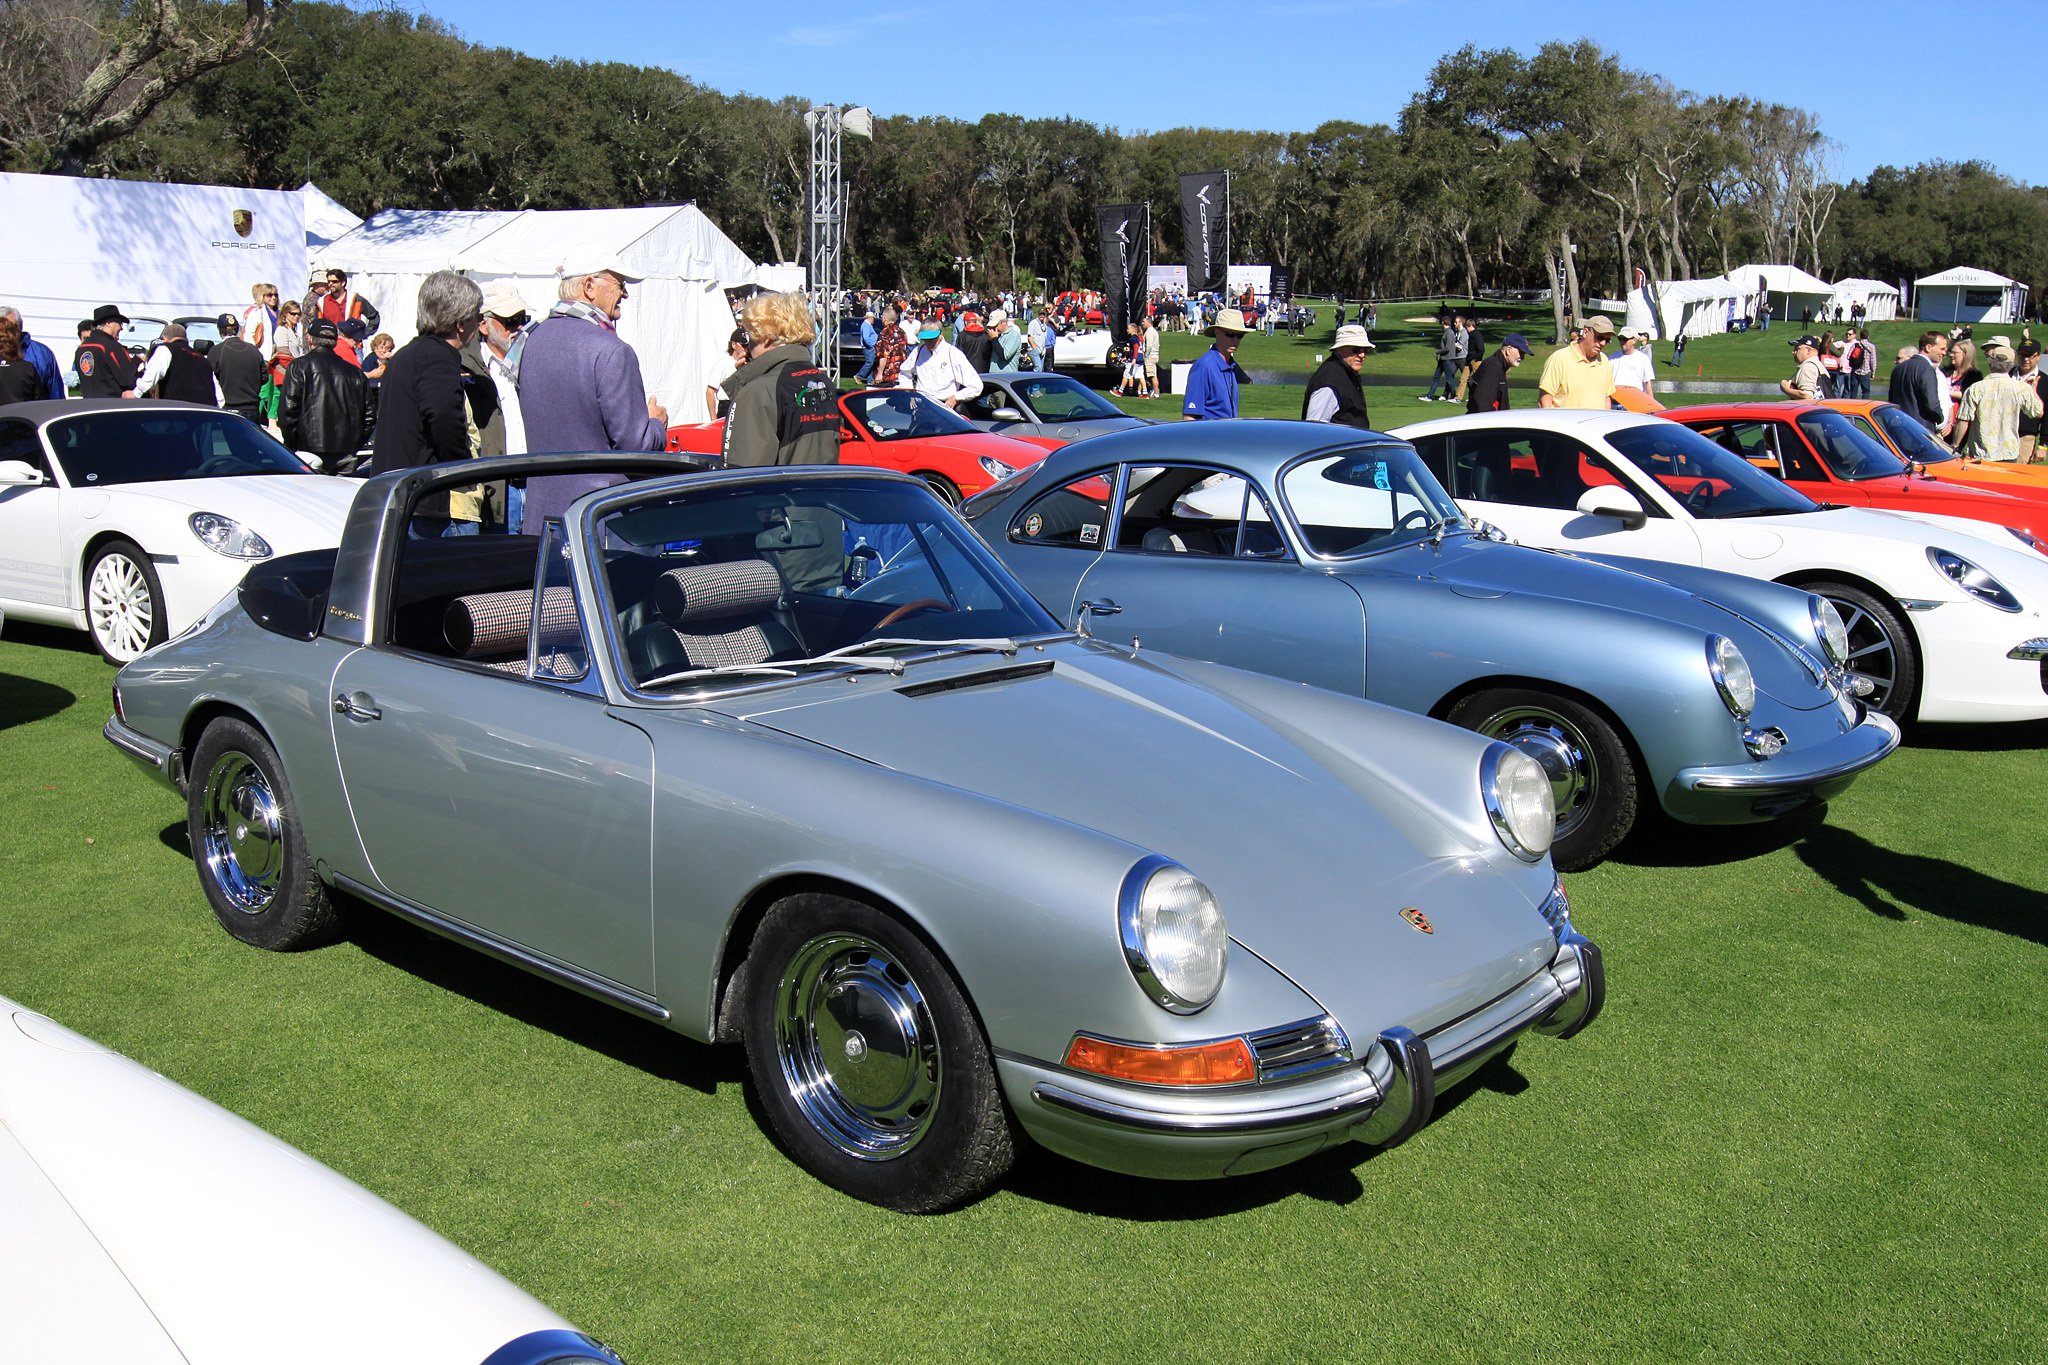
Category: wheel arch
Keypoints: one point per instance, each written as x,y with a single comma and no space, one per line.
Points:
1472,687
1802,578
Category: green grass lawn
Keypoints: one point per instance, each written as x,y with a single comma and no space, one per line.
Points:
1812,1126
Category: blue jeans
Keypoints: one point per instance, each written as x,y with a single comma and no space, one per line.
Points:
1446,374
434,528
867,365
515,508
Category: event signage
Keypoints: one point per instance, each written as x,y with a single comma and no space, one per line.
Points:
1283,283
1205,227
1126,235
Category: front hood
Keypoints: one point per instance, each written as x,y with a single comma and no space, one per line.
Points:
1008,449
291,512
1488,568
1312,855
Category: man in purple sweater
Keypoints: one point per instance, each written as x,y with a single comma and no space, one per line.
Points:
580,387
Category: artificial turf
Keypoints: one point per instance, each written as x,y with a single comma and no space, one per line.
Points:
1811,1126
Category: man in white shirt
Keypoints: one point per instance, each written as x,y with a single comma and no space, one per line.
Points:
1634,368
937,370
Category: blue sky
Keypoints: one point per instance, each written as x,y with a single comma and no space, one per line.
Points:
1893,83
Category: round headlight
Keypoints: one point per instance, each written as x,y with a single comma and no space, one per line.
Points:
226,536
1731,675
1972,579
1519,801
1828,627
1174,936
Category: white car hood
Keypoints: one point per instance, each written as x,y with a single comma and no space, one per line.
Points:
129,1204
1989,547
291,512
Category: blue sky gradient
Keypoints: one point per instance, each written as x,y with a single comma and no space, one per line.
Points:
1892,83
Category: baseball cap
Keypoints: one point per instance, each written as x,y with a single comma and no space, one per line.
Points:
229,322
1601,325
502,299
1809,340
928,332
323,329
1519,342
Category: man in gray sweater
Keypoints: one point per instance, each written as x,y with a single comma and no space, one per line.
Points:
580,387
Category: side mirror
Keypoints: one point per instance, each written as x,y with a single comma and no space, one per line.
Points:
1607,500
1006,415
19,472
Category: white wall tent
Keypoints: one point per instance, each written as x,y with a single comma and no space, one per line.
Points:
1790,289
1965,295
1880,300
68,245
1687,308
676,320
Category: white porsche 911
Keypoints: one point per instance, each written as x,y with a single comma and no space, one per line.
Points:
129,518
1945,620
142,1224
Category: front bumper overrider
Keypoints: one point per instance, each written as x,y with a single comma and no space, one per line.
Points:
1381,1099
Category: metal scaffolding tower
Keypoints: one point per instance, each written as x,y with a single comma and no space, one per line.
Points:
827,200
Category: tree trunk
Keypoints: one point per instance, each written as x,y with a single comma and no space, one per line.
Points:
1571,276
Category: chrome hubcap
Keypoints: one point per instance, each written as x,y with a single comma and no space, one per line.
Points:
857,1046
120,607
1565,755
1872,652
241,836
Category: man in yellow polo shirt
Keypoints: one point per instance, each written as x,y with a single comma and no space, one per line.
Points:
1578,375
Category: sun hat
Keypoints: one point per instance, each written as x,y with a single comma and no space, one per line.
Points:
2000,340
502,299
996,317
1519,342
594,264
1354,336
928,332
1228,320
1600,325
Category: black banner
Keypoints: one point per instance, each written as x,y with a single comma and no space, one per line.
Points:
1283,283
1126,234
1205,227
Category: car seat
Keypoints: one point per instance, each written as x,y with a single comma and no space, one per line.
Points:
712,616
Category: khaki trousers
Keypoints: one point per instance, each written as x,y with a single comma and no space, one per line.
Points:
2027,454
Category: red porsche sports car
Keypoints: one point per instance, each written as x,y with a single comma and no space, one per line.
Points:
1824,455
903,430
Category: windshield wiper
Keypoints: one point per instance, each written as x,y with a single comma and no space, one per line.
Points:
847,656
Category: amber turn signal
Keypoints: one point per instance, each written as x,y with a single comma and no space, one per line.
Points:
1223,1063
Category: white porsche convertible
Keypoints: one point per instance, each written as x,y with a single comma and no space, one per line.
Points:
129,518
1945,621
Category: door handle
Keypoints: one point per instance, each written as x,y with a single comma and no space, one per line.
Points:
356,707
1094,607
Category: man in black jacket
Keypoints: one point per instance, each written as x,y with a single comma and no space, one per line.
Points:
105,369
422,413
328,407
1917,384
1489,388
239,367
1334,391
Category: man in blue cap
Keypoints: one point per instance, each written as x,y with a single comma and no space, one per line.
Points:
1488,391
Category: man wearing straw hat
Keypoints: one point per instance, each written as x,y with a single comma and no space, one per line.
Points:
1212,383
1334,391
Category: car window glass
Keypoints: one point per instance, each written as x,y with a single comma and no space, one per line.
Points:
1363,501
982,407
18,441
1181,509
1059,399
1708,479
1435,452
557,647
1913,440
101,449
1075,514
1527,469
1848,452
897,414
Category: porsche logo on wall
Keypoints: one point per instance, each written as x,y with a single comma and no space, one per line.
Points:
245,221
1418,919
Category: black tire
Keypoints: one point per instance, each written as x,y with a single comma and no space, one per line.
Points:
247,844
124,602
868,1060
1589,765
943,488
1880,647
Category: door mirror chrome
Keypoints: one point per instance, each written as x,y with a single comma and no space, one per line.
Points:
1610,501
19,472
1006,415
1084,610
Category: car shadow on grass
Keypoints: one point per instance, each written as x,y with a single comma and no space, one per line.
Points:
24,701
1887,882
1331,1176
1979,739
1660,841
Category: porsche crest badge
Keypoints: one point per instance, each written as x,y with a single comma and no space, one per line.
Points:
245,221
1418,919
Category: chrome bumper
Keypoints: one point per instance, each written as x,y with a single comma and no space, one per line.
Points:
157,759
1785,782
1382,1100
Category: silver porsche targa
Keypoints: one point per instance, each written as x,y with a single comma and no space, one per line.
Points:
786,758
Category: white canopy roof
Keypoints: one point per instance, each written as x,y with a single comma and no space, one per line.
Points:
1965,276
1779,279
325,219
408,241
1862,288
670,243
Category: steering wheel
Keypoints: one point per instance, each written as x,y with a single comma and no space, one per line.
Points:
1418,516
1702,494
217,464
921,604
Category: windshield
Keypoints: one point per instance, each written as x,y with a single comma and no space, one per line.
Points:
1848,453
1056,398
1360,502
101,449
1914,441
1709,481
894,414
737,576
